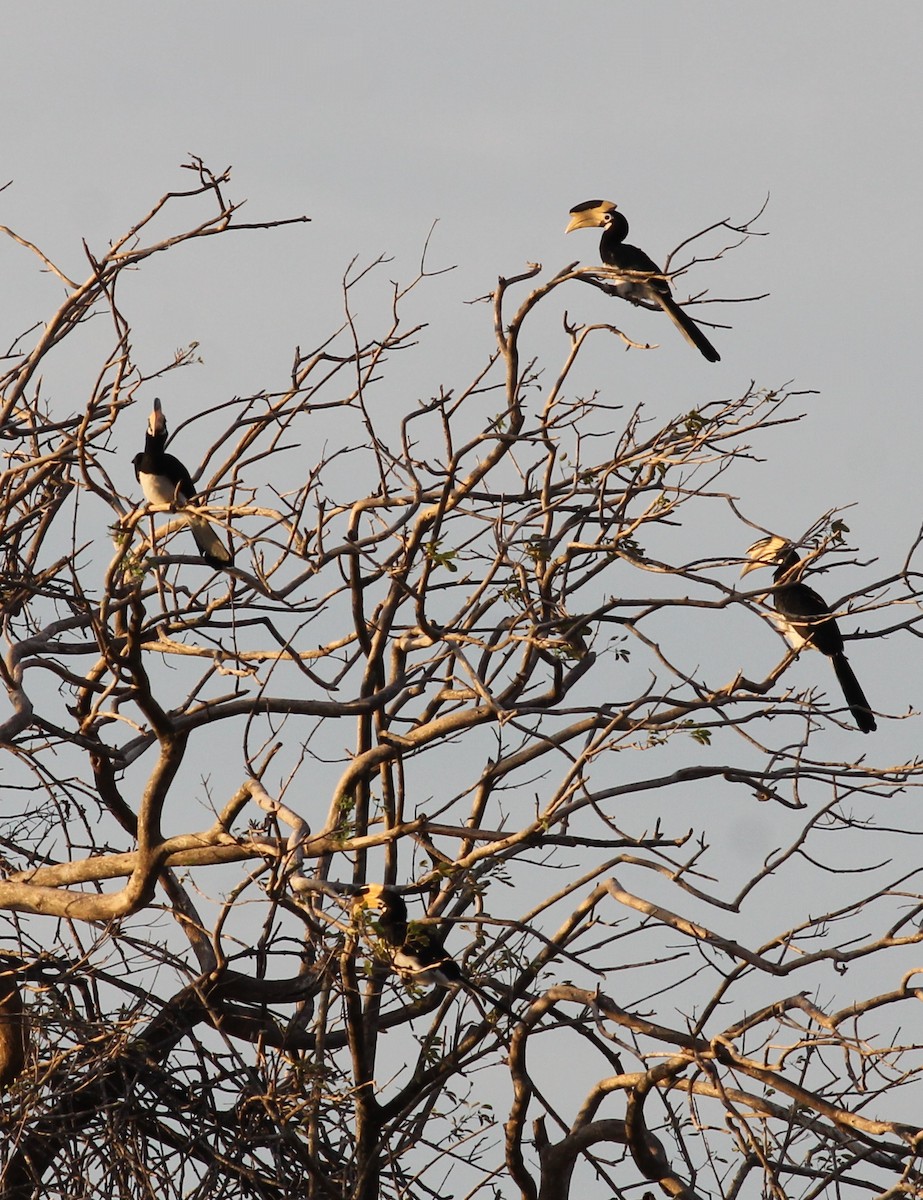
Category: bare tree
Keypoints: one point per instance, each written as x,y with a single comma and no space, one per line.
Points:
487,649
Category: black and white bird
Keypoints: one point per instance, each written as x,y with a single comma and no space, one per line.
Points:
616,253
164,480
416,951
804,619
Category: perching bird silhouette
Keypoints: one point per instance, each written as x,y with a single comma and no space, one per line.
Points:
616,253
164,480
804,619
416,951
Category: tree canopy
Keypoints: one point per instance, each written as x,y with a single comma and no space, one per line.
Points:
487,646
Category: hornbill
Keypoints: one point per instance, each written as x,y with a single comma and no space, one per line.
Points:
615,252
417,952
164,480
805,620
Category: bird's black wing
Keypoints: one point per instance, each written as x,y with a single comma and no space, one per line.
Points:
808,614
624,257
174,470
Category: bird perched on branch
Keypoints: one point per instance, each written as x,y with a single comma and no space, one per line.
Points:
417,952
805,620
646,284
164,480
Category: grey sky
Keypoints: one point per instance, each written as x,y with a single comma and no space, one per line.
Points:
378,119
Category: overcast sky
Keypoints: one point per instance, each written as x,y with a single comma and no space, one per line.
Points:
494,119
378,119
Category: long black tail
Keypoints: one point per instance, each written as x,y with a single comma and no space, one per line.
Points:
688,328
211,547
853,694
